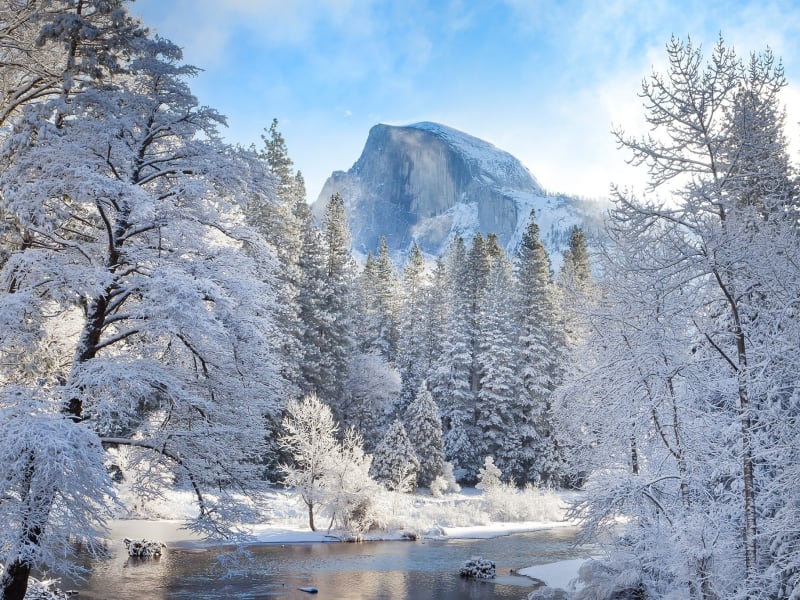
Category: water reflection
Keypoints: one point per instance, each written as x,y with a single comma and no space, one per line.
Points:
387,570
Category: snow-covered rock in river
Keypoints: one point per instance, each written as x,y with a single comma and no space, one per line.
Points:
426,182
143,548
478,567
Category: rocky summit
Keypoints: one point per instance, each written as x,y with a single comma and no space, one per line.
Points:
426,182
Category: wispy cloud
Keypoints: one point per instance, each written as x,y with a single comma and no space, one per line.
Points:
544,79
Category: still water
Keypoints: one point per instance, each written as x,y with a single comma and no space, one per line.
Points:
421,570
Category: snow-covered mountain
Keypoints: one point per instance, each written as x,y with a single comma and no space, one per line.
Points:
426,182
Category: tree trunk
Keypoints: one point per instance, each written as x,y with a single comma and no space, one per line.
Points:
311,517
14,582
750,529
748,477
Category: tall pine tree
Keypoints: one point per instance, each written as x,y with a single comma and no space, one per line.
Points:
540,348
413,345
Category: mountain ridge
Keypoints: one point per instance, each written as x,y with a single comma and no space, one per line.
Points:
427,182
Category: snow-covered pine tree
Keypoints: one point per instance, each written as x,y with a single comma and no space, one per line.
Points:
338,339
379,305
412,360
388,301
478,267
281,224
450,380
128,208
436,308
394,463
498,358
424,428
311,295
541,349
575,290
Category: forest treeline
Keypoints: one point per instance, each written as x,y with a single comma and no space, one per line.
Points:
486,334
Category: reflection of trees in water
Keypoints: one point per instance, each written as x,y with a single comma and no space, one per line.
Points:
424,570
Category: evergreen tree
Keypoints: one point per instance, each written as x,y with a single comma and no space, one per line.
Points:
276,154
368,318
436,308
338,305
499,360
413,359
450,380
576,270
474,284
282,224
379,328
541,348
395,464
312,313
424,428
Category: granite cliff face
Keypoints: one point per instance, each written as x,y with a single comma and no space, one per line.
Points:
426,182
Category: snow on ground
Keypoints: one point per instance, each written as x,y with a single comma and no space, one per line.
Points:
463,515
556,574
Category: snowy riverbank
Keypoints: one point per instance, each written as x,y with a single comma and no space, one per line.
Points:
465,514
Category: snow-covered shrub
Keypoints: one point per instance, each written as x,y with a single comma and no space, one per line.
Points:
506,502
45,590
348,490
478,567
489,475
438,487
143,548
373,386
445,482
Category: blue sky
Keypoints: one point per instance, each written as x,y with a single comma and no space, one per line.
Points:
542,79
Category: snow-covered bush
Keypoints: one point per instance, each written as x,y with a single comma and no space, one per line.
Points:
143,548
478,567
445,482
489,475
504,501
348,490
373,386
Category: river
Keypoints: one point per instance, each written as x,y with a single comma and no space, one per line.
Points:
421,570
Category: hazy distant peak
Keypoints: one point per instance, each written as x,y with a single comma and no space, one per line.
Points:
426,182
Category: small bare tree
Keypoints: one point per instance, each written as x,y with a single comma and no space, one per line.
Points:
310,437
